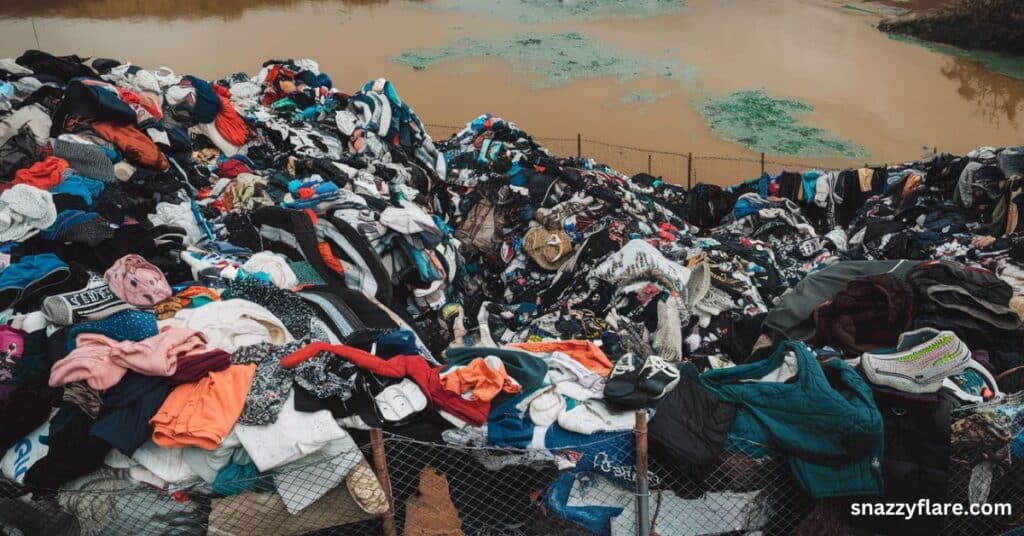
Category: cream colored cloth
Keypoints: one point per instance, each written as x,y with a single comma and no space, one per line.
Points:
232,324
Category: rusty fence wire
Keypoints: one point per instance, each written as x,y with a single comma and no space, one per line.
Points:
677,167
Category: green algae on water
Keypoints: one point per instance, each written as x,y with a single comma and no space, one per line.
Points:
1012,66
558,58
540,11
766,124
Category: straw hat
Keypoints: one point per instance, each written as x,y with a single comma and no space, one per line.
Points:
549,249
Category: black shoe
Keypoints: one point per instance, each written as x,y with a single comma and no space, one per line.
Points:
658,377
623,379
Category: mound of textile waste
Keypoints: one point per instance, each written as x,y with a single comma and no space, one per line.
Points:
212,290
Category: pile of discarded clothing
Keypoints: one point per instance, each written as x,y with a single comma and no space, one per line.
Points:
213,290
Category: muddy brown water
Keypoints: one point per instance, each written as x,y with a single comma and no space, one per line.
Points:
894,99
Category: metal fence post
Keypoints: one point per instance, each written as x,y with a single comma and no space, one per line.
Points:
648,164
762,163
579,146
380,465
689,171
643,503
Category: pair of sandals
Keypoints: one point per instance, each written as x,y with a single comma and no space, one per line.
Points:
635,382
397,403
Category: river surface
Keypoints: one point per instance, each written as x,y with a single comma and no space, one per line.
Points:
802,80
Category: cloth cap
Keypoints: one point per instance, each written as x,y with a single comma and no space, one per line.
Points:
137,281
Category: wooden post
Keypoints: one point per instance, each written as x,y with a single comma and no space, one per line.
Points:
648,164
762,163
643,496
579,146
380,464
689,171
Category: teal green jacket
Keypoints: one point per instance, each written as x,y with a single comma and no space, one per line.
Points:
832,437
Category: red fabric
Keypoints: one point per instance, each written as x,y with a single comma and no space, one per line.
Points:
232,168
44,174
272,74
270,96
330,260
666,226
230,125
136,147
133,99
413,367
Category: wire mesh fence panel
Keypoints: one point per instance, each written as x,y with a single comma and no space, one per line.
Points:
986,468
774,167
504,491
585,488
671,166
743,492
442,132
675,167
724,170
583,485
329,495
560,147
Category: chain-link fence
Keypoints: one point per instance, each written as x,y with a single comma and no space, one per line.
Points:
578,485
509,491
986,468
682,168
743,493
319,495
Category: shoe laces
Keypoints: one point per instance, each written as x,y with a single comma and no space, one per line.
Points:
656,364
623,365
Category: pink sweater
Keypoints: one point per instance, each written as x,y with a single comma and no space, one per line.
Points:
102,361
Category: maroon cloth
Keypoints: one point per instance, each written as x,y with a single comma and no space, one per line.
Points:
193,367
868,313
232,168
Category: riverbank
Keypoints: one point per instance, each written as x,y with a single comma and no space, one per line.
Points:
994,25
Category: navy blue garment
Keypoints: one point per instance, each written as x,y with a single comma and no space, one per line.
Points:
401,342
123,421
207,102
91,99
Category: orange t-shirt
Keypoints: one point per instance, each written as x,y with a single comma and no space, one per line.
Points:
202,413
586,352
484,381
